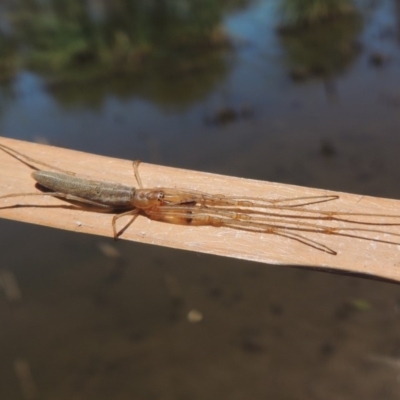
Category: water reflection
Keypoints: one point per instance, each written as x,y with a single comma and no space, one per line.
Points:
117,46
8,58
322,50
300,13
113,321
398,19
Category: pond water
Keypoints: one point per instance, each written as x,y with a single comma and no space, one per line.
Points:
100,320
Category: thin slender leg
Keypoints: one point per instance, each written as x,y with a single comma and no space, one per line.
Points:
30,161
136,172
134,214
59,195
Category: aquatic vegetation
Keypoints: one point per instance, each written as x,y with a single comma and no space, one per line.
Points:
118,44
58,36
301,13
322,50
8,59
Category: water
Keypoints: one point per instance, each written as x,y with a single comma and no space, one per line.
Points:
94,326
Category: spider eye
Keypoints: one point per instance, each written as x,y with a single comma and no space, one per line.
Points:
161,196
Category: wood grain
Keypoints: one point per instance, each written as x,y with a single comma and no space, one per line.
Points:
354,255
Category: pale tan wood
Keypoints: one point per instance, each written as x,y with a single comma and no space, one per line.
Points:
354,255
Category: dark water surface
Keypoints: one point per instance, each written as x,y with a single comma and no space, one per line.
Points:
104,320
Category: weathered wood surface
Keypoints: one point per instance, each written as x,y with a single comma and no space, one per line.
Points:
354,255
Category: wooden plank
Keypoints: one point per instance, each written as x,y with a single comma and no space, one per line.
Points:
354,255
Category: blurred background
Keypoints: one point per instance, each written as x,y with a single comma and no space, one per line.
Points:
304,92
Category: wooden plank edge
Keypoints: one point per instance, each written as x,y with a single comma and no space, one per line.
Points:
354,255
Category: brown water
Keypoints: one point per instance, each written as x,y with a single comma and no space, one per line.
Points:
92,325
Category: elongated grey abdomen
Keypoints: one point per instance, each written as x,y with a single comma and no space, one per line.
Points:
107,193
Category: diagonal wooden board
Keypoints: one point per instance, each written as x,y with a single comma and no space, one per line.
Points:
354,255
